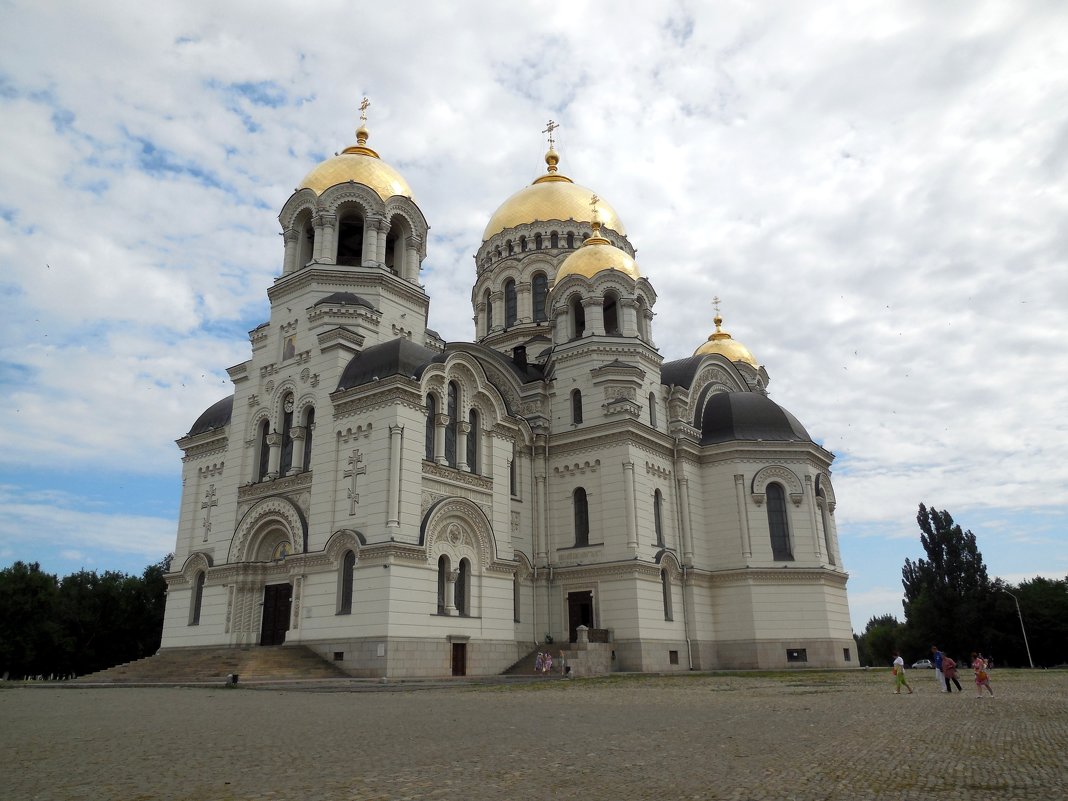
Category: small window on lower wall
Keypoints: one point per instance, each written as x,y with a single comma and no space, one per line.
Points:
339,656
846,656
796,655
673,657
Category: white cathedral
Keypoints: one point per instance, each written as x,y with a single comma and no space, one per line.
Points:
406,506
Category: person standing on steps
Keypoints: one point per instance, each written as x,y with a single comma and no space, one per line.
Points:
898,673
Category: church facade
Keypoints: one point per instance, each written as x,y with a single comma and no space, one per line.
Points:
407,506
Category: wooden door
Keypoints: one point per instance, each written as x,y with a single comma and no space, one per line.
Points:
277,604
579,612
459,659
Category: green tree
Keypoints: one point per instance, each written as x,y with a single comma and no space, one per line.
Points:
948,595
880,638
30,635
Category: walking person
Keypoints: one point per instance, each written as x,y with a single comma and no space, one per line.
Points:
547,665
898,673
982,677
563,664
949,670
936,657
539,663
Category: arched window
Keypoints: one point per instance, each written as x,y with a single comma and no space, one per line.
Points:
450,428
582,518
489,312
309,428
652,409
611,315
554,240
578,317
665,589
825,523
287,436
350,239
780,532
463,588
265,451
510,304
197,600
473,437
431,415
396,246
658,517
570,239
522,244
306,251
508,246
540,288
443,582
576,407
348,566
537,241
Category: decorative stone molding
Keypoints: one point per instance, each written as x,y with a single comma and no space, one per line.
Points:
196,562
823,484
452,475
577,469
267,514
781,475
451,524
214,469
342,540
287,485
652,469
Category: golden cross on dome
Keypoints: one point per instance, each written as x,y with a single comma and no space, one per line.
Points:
552,126
363,109
715,303
594,200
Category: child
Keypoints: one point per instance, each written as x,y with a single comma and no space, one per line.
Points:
982,678
547,665
899,675
539,663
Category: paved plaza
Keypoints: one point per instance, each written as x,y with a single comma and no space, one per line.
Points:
819,735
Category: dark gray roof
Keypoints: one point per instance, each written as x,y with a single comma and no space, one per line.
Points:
215,416
680,372
533,371
748,416
344,299
396,357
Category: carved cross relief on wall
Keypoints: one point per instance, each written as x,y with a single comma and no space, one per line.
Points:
355,469
209,501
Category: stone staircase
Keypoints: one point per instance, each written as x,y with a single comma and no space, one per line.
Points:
177,665
525,666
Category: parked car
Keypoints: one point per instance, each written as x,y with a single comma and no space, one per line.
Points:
923,663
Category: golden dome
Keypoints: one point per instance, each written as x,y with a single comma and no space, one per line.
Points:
551,197
595,255
361,165
720,342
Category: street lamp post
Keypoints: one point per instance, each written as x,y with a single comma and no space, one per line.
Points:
1020,614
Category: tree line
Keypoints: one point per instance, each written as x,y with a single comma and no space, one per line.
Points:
79,624
951,602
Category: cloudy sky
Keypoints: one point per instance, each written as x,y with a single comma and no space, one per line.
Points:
876,191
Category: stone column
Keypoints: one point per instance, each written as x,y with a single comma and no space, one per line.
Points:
291,238
450,591
274,460
329,249
317,227
743,516
463,428
594,308
629,494
540,499
440,421
628,321
383,230
370,239
497,299
684,518
395,433
810,496
411,261
298,435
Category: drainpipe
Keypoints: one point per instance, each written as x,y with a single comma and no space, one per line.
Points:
548,550
682,548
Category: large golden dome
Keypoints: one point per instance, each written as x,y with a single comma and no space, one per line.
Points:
361,165
551,197
596,255
721,342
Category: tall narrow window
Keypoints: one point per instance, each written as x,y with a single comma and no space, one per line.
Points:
265,451
513,475
463,588
554,240
570,239
473,438
348,567
198,599
510,304
665,589
540,287
517,599
582,518
431,415
825,523
443,582
611,315
522,244
287,436
652,409
450,428
780,532
578,317
537,241
489,312
307,244
576,407
658,517
309,428
350,239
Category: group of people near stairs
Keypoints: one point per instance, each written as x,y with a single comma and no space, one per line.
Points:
945,670
544,664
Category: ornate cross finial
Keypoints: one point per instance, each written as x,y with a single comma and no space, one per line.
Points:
594,200
715,304
363,108
552,126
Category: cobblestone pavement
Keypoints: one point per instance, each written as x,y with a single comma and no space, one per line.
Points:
738,736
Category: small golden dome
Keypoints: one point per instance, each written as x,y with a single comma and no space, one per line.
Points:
552,196
596,255
359,164
721,342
